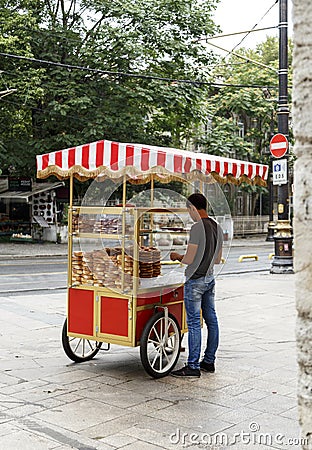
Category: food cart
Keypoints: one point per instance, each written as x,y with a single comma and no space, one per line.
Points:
116,293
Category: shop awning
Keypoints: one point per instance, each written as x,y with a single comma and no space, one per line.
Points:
41,221
4,184
20,196
113,160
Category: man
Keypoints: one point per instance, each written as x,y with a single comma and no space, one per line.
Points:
203,251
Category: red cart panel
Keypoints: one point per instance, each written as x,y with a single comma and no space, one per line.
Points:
176,311
114,316
141,320
80,311
148,298
172,295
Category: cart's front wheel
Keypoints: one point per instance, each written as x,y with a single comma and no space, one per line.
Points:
79,349
160,345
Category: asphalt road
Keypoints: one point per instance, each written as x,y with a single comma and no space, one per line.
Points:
32,274
43,274
233,266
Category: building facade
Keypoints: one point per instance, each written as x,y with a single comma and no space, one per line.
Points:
302,118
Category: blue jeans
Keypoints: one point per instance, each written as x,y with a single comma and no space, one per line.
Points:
199,294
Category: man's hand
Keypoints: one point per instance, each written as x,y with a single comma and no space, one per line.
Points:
174,256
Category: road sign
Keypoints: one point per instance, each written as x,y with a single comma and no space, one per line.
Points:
280,171
278,145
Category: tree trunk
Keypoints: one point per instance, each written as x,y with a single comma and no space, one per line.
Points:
302,113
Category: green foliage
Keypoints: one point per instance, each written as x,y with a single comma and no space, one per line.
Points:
242,120
56,107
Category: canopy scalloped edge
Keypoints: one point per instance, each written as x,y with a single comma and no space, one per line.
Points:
138,163
135,176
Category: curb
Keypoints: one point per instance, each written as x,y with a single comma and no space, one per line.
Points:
11,256
251,244
21,291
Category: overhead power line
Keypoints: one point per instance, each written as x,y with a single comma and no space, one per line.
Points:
7,92
253,29
141,76
242,57
217,36
46,110
248,32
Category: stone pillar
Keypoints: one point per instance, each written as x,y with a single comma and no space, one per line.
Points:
302,118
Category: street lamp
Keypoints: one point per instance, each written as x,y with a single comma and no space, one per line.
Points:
283,259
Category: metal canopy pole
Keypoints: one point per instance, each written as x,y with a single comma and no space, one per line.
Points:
70,229
283,259
151,215
123,238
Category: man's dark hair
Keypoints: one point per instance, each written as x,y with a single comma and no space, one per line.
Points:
198,200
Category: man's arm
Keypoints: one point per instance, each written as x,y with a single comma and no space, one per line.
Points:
218,257
189,256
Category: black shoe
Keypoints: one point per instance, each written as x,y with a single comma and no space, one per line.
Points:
207,367
186,371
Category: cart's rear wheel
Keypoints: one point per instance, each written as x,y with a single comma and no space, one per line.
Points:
79,349
160,345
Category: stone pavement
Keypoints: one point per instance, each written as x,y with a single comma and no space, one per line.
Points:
47,402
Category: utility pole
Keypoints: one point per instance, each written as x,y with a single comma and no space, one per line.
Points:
271,224
283,239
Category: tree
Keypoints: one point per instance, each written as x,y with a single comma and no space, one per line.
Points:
57,106
243,116
15,120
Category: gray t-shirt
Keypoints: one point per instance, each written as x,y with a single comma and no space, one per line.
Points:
208,236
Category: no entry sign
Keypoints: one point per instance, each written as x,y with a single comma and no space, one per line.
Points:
278,145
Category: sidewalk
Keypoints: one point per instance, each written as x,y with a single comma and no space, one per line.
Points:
51,249
30,249
48,402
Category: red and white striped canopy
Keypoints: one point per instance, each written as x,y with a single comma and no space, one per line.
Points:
108,159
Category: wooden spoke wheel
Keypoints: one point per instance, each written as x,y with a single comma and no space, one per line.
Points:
160,345
79,349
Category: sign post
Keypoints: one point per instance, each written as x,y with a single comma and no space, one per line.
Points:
283,257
